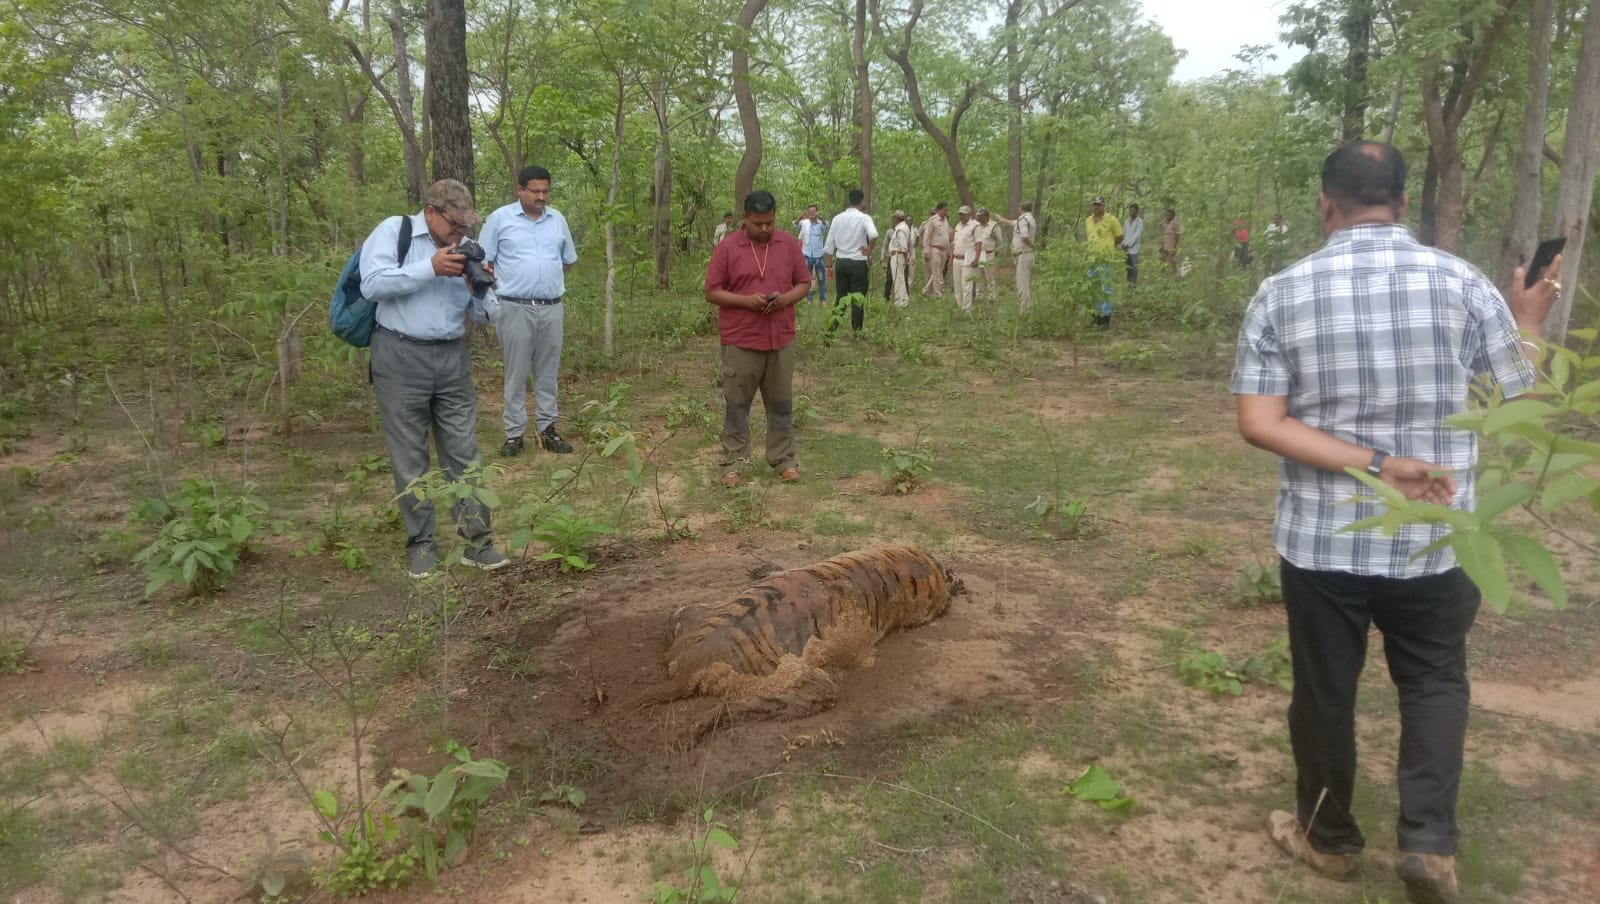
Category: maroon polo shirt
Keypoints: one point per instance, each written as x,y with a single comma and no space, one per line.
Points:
737,265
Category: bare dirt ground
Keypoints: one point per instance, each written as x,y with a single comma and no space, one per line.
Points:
938,774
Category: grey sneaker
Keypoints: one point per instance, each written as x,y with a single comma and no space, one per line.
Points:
424,558
486,557
1429,878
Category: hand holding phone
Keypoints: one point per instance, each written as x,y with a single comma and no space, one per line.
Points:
1546,252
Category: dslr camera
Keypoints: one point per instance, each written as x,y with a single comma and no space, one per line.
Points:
480,279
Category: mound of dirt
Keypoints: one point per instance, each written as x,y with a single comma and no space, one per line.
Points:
600,675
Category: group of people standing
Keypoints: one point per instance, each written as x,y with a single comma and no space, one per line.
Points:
421,366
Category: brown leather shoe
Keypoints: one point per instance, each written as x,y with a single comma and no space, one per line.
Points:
1429,878
789,474
1291,839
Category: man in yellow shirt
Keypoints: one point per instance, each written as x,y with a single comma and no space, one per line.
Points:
1103,235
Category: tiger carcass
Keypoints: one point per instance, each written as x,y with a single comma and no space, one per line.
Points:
772,650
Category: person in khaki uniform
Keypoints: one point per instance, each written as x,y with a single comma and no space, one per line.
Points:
936,249
988,245
900,258
1024,236
964,247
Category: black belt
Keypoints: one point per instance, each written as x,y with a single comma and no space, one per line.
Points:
415,341
531,301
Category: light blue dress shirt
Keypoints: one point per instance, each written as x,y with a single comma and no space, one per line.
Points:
811,236
529,256
412,300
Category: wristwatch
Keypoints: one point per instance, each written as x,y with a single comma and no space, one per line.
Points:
1375,467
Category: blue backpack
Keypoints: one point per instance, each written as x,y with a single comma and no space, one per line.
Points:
350,314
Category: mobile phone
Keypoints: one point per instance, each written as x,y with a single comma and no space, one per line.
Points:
1546,252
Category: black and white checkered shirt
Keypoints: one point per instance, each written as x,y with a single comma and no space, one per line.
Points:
1374,339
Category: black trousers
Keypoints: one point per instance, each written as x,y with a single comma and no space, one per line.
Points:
1424,622
852,276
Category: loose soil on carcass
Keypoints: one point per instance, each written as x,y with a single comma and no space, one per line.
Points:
602,686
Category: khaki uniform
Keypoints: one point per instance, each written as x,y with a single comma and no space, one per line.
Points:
900,262
965,243
1023,239
936,251
989,235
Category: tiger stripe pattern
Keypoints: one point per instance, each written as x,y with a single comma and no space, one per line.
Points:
827,615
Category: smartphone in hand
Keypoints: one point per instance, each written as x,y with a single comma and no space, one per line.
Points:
1546,252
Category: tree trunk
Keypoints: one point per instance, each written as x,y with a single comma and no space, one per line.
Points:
353,118
446,94
744,178
1444,111
619,119
1428,209
1357,29
1394,109
864,121
661,190
404,103
1013,109
901,55
1529,167
1580,161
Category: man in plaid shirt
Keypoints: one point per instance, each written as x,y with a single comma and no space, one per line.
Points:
1352,358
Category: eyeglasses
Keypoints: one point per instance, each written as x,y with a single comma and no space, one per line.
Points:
454,226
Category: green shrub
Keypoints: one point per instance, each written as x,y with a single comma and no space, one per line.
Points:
202,537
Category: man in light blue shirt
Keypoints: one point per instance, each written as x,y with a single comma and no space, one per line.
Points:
421,367
1133,242
812,229
529,249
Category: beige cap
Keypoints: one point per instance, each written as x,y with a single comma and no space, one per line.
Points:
897,215
964,209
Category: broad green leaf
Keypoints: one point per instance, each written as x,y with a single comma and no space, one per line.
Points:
1586,391
1481,556
1095,784
272,883
1518,411
520,538
1566,488
455,846
721,838
485,768
439,797
326,803
1534,558
1502,498
1120,803
1561,368
488,497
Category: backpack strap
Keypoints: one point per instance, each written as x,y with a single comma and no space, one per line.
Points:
404,245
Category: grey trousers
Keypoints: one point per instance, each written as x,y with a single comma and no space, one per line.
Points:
530,341
421,388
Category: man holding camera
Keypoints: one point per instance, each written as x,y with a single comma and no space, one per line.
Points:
529,249
422,369
756,277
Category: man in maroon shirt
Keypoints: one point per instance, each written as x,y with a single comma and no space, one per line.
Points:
757,274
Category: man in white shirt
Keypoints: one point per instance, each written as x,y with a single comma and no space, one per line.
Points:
846,251
722,230
1132,241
